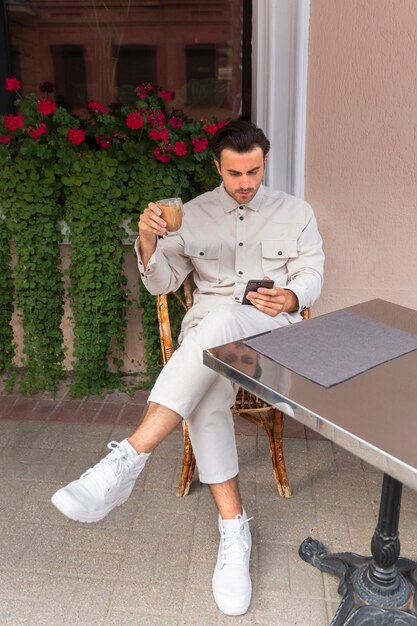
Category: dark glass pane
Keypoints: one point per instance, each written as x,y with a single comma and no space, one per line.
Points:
135,65
69,75
101,50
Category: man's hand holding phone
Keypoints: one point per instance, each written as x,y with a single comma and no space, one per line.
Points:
268,298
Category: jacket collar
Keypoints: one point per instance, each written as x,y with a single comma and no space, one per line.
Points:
229,204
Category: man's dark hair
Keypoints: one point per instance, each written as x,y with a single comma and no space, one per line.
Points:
240,136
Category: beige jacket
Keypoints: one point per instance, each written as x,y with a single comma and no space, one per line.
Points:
224,245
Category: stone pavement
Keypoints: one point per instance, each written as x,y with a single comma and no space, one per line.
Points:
150,561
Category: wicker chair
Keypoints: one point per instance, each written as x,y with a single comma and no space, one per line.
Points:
246,405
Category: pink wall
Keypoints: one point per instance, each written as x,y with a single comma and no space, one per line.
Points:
361,148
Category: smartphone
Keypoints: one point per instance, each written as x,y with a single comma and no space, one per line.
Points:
253,285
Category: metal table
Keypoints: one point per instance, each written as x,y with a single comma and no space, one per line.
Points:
374,416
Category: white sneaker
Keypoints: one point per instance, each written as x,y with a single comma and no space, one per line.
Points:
232,586
104,486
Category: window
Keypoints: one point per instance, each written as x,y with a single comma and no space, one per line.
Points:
135,65
199,49
69,72
209,72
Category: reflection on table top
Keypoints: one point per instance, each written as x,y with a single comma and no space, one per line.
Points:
373,415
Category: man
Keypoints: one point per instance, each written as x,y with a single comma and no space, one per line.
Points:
239,231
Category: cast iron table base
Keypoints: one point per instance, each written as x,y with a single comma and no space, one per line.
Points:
376,591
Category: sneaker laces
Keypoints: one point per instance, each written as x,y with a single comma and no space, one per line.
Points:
111,466
233,542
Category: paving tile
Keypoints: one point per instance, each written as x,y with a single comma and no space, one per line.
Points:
336,488
126,618
273,567
88,411
108,413
273,609
161,473
161,597
151,560
16,612
66,411
14,541
293,429
7,432
305,580
23,407
139,397
68,601
244,427
199,607
86,538
131,415
6,406
312,434
44,409
15,585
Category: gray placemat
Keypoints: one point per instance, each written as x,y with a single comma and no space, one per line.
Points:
334,347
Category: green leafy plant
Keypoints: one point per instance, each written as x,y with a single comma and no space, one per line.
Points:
94,209
31,204
6,301
95,174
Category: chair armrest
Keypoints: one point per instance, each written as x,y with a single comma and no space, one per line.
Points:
165,334
306,314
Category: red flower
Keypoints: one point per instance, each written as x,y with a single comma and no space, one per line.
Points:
175,122
199,144
5,139
35,133
180,148
159,135
12,83
210,128
46,107
75,136
166,95
155,118
103,142
13,122
142,90
97,107
160,156
134,120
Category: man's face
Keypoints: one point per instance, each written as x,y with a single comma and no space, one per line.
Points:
242,172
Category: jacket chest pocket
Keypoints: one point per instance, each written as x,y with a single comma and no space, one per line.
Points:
205,259
276,253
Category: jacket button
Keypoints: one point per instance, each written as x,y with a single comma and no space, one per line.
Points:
240,244
241,208
241,217
240,273
279,253
201,253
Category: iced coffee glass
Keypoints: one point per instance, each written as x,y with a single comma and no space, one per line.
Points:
171,213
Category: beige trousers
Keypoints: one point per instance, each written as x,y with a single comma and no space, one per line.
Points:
202,396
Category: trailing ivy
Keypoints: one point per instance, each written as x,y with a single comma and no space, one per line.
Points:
31,204
94,210
6,301
94,173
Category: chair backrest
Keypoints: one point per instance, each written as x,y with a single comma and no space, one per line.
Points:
165,335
